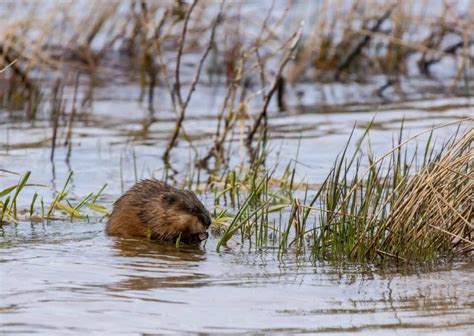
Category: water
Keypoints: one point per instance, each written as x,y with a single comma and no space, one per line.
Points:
61,278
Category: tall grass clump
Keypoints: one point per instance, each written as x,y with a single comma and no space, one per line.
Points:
431,212
389,208
399,209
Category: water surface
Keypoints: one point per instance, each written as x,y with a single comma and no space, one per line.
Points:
62,277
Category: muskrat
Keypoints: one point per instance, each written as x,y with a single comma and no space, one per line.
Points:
154,209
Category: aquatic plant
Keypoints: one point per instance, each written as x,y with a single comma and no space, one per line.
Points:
397,208
392,207
82,209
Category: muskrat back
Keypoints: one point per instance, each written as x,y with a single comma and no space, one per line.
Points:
154,209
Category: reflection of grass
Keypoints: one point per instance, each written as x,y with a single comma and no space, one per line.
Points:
8,309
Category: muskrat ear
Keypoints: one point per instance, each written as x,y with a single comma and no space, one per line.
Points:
169,198
191,194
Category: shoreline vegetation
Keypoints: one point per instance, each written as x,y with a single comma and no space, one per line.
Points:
258,57
389,208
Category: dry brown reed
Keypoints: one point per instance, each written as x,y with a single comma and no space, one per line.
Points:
147,41
397,209
434,209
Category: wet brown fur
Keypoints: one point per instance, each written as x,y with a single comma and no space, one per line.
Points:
154,209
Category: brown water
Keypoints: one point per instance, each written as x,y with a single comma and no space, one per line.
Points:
62,277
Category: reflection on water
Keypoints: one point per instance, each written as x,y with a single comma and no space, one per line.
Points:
168,263
88,282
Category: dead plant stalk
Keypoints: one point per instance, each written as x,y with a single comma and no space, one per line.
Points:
263,111
180,103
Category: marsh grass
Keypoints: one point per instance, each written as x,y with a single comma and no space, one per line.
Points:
254,59
342,40
414,203
392,207
61,207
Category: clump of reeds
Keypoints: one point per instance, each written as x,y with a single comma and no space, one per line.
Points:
249,52
347,39
353,38
396,209
430,212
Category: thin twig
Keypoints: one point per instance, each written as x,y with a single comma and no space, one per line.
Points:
9,65
180,52
182,105
263,111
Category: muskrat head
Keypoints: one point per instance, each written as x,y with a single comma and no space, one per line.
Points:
185,216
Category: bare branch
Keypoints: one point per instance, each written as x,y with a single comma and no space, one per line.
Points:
183,105
9,65
180,52
203,57
347,61
263,111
